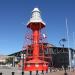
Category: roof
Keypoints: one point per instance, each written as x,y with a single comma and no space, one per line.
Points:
36,17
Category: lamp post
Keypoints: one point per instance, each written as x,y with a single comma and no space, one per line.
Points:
61,42
23,63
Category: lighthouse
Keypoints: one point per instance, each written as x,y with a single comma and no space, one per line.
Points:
35,24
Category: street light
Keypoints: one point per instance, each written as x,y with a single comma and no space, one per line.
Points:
61,42
23,63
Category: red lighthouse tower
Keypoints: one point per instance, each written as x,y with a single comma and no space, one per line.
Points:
35,24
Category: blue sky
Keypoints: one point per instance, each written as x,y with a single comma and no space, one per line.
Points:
14,15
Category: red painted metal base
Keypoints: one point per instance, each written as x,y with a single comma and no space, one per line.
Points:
36,64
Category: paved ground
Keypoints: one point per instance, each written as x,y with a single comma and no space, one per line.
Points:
8,71
61,73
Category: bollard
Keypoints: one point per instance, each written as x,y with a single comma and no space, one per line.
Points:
1,73
42,72
65,74
50,69
37,72
46,71
13,73
22,73
30,72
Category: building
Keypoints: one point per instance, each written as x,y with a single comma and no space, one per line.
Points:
8,60
3,59
60,55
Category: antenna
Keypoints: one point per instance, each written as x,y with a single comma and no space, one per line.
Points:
73,40
67,31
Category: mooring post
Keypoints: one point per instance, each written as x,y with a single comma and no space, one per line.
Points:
0,73
50,69
65,71
46,71
30,72
22,72
37,72
42,72
13,73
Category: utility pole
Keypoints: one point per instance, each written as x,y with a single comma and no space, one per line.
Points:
23,63
61,42
67,31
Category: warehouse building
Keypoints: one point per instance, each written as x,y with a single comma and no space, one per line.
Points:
57,56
